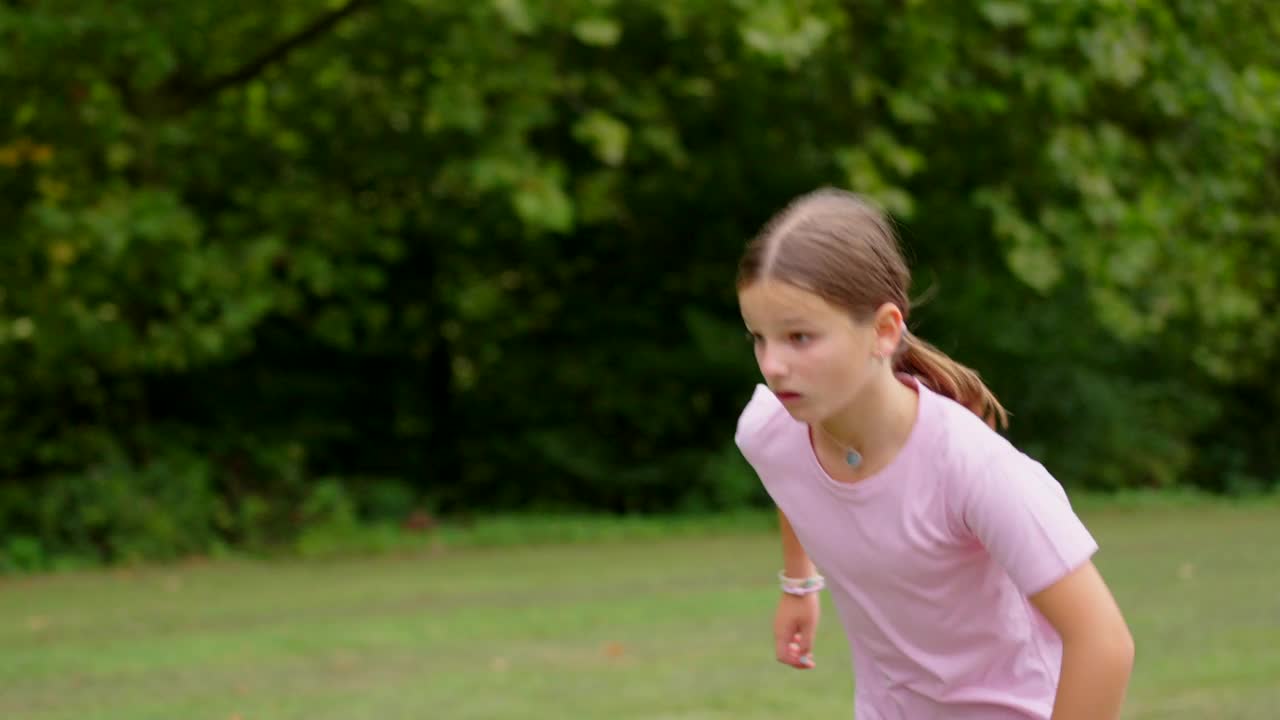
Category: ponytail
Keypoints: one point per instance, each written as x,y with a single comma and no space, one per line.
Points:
948,377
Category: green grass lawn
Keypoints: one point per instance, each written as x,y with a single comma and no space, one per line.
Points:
621,629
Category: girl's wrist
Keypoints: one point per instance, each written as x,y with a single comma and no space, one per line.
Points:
801,586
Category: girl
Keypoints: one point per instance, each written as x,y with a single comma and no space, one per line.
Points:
961,574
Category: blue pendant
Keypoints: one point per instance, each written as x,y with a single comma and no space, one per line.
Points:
852,458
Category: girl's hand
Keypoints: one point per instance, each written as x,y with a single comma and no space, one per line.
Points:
793,629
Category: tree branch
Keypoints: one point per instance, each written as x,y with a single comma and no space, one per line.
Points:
179,96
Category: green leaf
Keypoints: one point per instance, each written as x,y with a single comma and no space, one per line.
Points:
542,203
1036,265
598,31
1005,13
515,13
783,32
607,136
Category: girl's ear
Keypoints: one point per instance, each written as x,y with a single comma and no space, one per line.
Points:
889,327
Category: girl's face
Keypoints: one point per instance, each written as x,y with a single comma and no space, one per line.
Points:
814,356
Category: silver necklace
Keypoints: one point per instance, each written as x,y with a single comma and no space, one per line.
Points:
852,457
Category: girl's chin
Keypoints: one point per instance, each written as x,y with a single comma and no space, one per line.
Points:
802,413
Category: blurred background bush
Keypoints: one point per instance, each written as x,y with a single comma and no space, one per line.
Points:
270,271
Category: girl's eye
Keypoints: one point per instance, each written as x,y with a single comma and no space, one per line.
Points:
800,338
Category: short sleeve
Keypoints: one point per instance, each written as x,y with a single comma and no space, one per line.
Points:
755,418
1021,515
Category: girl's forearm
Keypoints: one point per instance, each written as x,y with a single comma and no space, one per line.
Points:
795,561
1095,675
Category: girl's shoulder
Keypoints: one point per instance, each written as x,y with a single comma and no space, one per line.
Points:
984,475
965,445
1008,501
764,421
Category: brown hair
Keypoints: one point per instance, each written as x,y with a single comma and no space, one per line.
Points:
840,247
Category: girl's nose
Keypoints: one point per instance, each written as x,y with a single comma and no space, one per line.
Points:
772,365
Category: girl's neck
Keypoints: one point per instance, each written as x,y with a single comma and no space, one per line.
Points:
879,420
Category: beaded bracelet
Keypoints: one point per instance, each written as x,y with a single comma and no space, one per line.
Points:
801,586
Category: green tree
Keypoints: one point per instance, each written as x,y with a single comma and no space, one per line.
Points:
483,252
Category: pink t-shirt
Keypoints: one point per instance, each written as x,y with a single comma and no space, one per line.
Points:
930,560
